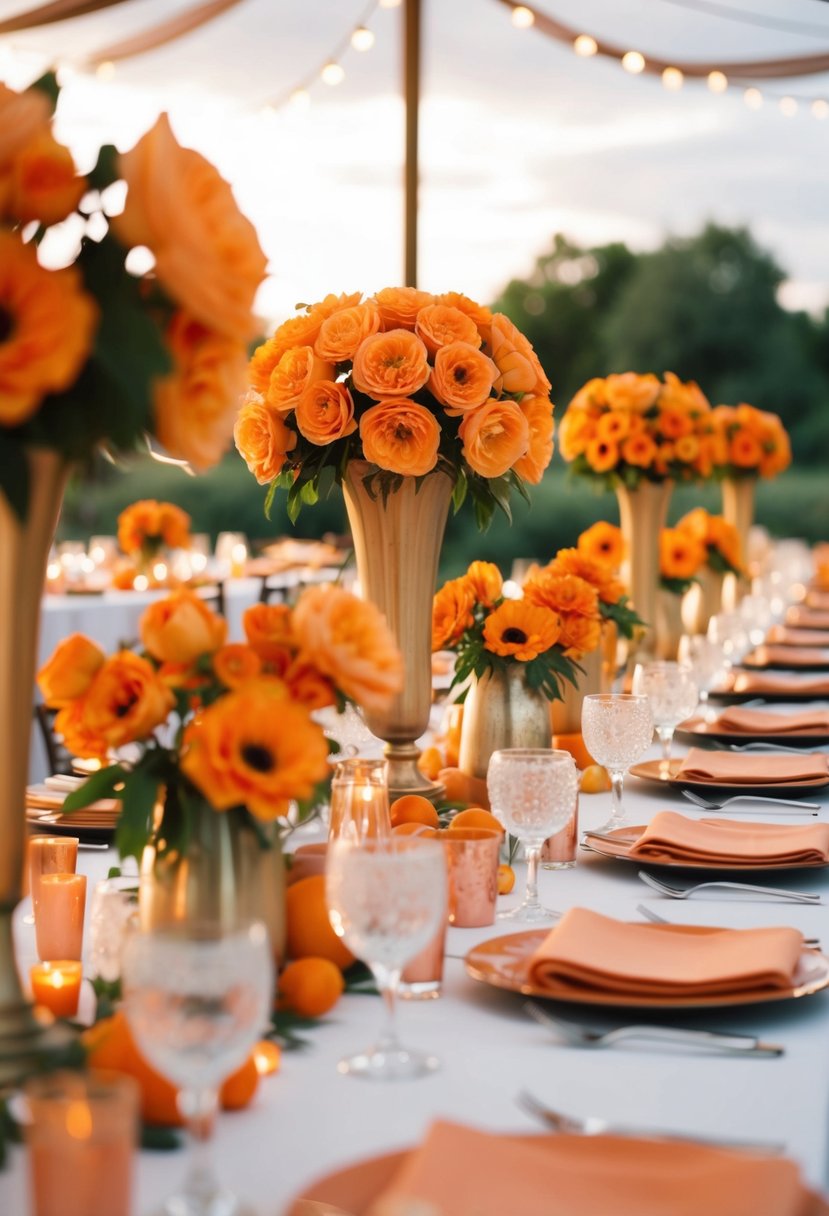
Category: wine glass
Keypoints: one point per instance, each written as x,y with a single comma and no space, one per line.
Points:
359,800
533,792
618,729
673,692
197,996
386,898
708,663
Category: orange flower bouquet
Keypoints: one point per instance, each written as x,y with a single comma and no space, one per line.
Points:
697,541
147,528
627,428
751,442
409,382
226,724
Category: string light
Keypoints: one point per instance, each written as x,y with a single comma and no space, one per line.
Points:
362,39
633,62
820,108
585,46
788,107
673,79
753,99
358,38
717,81
300,99
522,17
333,73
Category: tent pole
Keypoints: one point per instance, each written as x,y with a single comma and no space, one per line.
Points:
411,88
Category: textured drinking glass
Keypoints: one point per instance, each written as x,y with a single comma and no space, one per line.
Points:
673,693
532,791
708,663
197,997
618,730
386,899
359,800
114,912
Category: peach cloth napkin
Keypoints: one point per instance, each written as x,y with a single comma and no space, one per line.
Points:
783,636
587,953
761,683
731,768
673,837
807,618
788,656
762,722
459,1171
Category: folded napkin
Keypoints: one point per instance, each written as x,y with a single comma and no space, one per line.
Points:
732,768
816,598
782,635
673,837
762,683
788,656
459,1171
807,618
43,797
763,722
589,954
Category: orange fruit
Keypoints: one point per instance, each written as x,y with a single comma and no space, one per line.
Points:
476,817
595,780
310,987
460,787
414,829
413,808
430,762
309,929
239,1088
506,879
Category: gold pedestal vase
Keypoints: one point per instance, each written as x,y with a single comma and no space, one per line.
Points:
598,669
397,542
501,711
702,600
643,512
668,624
738,500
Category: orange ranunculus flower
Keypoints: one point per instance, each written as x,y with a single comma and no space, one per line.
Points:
48,328
539,414
296,371
452,611
235,664
391,364
521,630
673,423
440,325
680,554
602,455
745,450
600,576
342,332
664,458
519,369
335,303
686,449
603,542
262,439
309,686
126,701
255,748
576,431
462,378
325,412
401,436
480,314
563,593
614,425
639,450
70,724
723,536
269,631
495,436
579,634
486,582
44,182
181,627
686,396
349,641
630,391
777,453
69,672
295,332
207,255
399,306
195,406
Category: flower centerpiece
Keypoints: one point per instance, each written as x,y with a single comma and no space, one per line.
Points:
410,401
147,531
694,558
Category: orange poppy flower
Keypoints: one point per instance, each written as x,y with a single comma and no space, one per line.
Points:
539,414
603,542
495,436
639,450
697,523
462,377
440,325
602,455
686,449
401,436
452,611
521,630
325,412
390,364
680,554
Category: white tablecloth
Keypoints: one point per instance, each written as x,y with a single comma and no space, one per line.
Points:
308,1119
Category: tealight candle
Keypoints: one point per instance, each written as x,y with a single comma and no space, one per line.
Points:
50,855
59,916
238,557
57,986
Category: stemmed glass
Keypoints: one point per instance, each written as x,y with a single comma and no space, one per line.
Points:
197,996
533,792
618,729
673,692
386,898
708,663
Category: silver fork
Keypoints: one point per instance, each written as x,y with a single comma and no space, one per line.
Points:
712,1040
708,804
742,888
592,1126
811,943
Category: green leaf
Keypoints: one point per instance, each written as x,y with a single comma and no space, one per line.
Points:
269,497
14,474
48,85
99,785
459,492
137,803
160,1139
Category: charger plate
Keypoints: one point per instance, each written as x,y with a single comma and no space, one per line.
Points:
503,962
697,732
759,661
651,771
618,843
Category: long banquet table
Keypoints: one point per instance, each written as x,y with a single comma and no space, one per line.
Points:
309,1120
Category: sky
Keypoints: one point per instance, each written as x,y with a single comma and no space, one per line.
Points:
520,138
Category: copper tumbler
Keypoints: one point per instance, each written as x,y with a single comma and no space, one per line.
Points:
473,855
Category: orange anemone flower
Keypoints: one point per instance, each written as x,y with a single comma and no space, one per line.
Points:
521,630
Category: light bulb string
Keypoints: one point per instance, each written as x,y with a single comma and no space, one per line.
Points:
341,47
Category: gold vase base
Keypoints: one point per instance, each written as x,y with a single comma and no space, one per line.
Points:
404,777
32,1041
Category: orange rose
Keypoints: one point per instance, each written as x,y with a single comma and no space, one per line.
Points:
296,332
44,182
24,117
138,523
603,542
207,255
255,748
325,412
195,406
462,378
591,397
600,576
342,332
439,325
68,674
399,306
269,631
539,414
236,664
577,430
391,364
517,363
400,436
601,454
262,439
348,640
630,391
563,593
639,450
494,437
48,328
180,628
479,313
680,554
579,634
126,701
309,686
486,582
685,397
452,612
295,372
71,727
520,630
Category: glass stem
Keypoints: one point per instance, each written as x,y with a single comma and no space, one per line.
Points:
198,1107
533,854
388,979
666,735
617,781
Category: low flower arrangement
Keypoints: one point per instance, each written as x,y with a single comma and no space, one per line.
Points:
148,528
226,723
751,442
697,541
558,619
627,428
409,382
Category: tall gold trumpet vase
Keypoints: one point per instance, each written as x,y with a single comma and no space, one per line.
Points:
738,495
501,711
24,550
702,600
643,512
397,544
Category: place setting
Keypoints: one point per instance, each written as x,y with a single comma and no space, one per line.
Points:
746,727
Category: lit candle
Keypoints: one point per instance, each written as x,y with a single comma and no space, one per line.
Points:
238,557
50,855
57,986
59,916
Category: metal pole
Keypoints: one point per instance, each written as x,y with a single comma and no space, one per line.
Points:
412,24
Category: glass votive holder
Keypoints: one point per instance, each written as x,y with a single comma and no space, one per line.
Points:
559,852
50,855
113,912
422,977
81,1136
359,800
57,986
59,916
472,855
